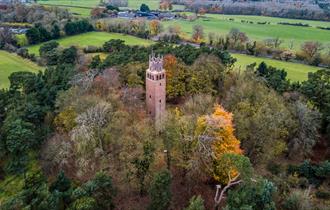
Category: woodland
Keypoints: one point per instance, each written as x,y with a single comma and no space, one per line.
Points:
76,135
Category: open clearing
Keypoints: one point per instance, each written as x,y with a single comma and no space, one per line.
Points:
296,71
221,25
94,39
10,63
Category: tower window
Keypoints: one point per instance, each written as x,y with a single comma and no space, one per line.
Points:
149,96
160,101
160,84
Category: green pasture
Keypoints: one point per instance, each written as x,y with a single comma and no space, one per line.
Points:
79,3
83,12
77,7
296,71
74,6
10,63
221,25
94,39
132,4
271,20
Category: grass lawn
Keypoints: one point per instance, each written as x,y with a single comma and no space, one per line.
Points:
220,24
93,38
296,71
10,63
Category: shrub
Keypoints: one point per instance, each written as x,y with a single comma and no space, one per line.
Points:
196,203
323,194
303,183
274,168
315,173
296,201
92,49
293,180
21,40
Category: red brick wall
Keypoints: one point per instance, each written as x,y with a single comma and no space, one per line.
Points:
156,95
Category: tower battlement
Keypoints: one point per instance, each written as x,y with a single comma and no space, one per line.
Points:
155,63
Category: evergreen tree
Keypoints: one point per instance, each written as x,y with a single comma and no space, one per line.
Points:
69,55
33,35
95,63
142,164
144,8
252,195
56,32
160,191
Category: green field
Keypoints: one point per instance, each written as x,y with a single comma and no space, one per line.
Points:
93,38
296,71
220,24
10,63
132,4
74,5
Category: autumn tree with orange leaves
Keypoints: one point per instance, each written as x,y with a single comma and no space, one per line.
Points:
216,138
198,33
165,5
176,76
155,27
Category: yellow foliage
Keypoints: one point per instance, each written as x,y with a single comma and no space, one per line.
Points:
66,120
100,25
219,129
155,27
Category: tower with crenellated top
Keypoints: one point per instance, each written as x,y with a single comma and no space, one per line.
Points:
156,89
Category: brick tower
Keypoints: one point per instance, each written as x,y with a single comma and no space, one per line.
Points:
156,89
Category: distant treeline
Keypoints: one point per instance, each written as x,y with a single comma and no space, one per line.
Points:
308,11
